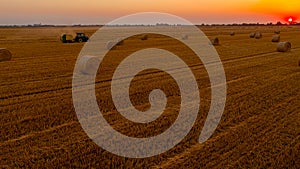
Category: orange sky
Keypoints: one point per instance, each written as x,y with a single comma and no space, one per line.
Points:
96,11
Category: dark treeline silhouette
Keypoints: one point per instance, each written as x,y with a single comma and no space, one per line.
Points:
45,25
158,24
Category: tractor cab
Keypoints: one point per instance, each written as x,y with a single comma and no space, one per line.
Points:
81,37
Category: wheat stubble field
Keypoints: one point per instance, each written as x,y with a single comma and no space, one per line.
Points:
260,127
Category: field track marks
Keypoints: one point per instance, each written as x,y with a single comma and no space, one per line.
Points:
196,65
246,93
252,120
253,56
272,126
269,138
34,134
37,92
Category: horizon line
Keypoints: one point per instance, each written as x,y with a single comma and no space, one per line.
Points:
278,23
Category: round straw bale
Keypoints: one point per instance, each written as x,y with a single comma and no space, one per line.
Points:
284,46
277,31
185,37
120,41
88,64
144,37
258,35
111,45
232,33
215,41
5,55
252,35
276,38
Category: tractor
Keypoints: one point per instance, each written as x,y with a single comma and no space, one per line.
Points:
80,37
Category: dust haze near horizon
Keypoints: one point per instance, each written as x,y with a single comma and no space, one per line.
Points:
96,12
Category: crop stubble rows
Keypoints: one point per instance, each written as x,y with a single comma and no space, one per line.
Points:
260,125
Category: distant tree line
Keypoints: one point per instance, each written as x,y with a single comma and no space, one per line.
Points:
252,24
158,24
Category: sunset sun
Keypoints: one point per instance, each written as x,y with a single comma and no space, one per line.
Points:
291,19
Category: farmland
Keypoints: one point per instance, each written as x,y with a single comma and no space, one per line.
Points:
260,127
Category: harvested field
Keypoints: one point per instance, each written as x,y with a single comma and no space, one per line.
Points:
260,127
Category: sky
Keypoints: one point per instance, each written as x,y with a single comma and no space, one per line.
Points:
103,11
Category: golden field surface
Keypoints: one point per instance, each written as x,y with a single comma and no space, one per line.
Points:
260,127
